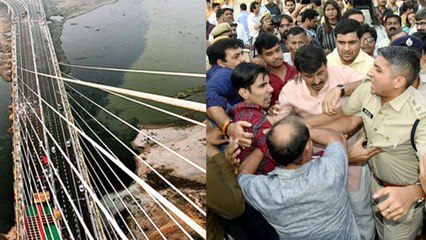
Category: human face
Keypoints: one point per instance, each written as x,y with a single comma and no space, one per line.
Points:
331,12
233,57
290,6
348,46
380,76
273,57
299,20
315,81
357,17
411,19
392,25
312,23
421,25
368,44
267,24
260,92
284,26
256,10
382,2
228,16
294,42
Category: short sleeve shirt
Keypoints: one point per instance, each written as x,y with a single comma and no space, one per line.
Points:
389,127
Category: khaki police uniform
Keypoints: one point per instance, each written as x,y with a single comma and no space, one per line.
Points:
389,127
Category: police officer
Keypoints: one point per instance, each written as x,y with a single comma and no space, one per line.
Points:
389,107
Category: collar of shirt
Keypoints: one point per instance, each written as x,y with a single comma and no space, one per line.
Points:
245,106
399,101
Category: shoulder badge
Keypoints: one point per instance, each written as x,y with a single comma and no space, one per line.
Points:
418,108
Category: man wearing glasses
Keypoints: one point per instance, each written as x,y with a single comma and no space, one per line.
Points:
368,39
286,22
421,20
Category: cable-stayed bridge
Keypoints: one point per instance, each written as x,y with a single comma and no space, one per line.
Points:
58,194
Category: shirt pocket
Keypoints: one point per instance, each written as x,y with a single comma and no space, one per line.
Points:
384,137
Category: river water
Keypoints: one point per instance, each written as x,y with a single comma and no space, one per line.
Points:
154,35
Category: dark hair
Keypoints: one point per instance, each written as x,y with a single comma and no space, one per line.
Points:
286,16
346,26
294,1
407,22
392,16
420,15
309,14
422,36
243,6
253,6
215,5
217,50
296,30
265,41
309,58
350,12
404,61
286,148
327,25
404,7
244,75
366,28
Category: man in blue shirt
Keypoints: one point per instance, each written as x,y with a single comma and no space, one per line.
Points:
304,198
224,55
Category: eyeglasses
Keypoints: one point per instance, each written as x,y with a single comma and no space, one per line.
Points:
421,24
367,40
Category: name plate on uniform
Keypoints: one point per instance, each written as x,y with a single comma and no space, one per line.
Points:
368,113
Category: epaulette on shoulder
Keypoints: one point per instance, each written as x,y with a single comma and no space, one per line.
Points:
418,107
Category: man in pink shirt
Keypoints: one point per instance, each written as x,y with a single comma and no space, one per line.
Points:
331,84
305,98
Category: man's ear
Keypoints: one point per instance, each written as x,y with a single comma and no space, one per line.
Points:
221,63
244,93
399,82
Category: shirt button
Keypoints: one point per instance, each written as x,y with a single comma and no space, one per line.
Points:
371,142
387,138
375,129
380,112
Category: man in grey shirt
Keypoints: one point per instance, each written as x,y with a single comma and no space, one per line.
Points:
304,198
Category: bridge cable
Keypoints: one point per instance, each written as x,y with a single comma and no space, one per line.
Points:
117,228
54,196
151,106
113,172
195,106
178,74
139,131
158,197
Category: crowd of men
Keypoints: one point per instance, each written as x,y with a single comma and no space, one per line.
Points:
316,119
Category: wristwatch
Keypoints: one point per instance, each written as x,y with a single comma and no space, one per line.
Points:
342,89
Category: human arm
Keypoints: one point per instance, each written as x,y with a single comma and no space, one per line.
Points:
398,201
422,175
251,162
224,194
296,11
234,129
325,136
330,101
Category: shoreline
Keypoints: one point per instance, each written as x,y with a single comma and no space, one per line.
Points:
188,141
